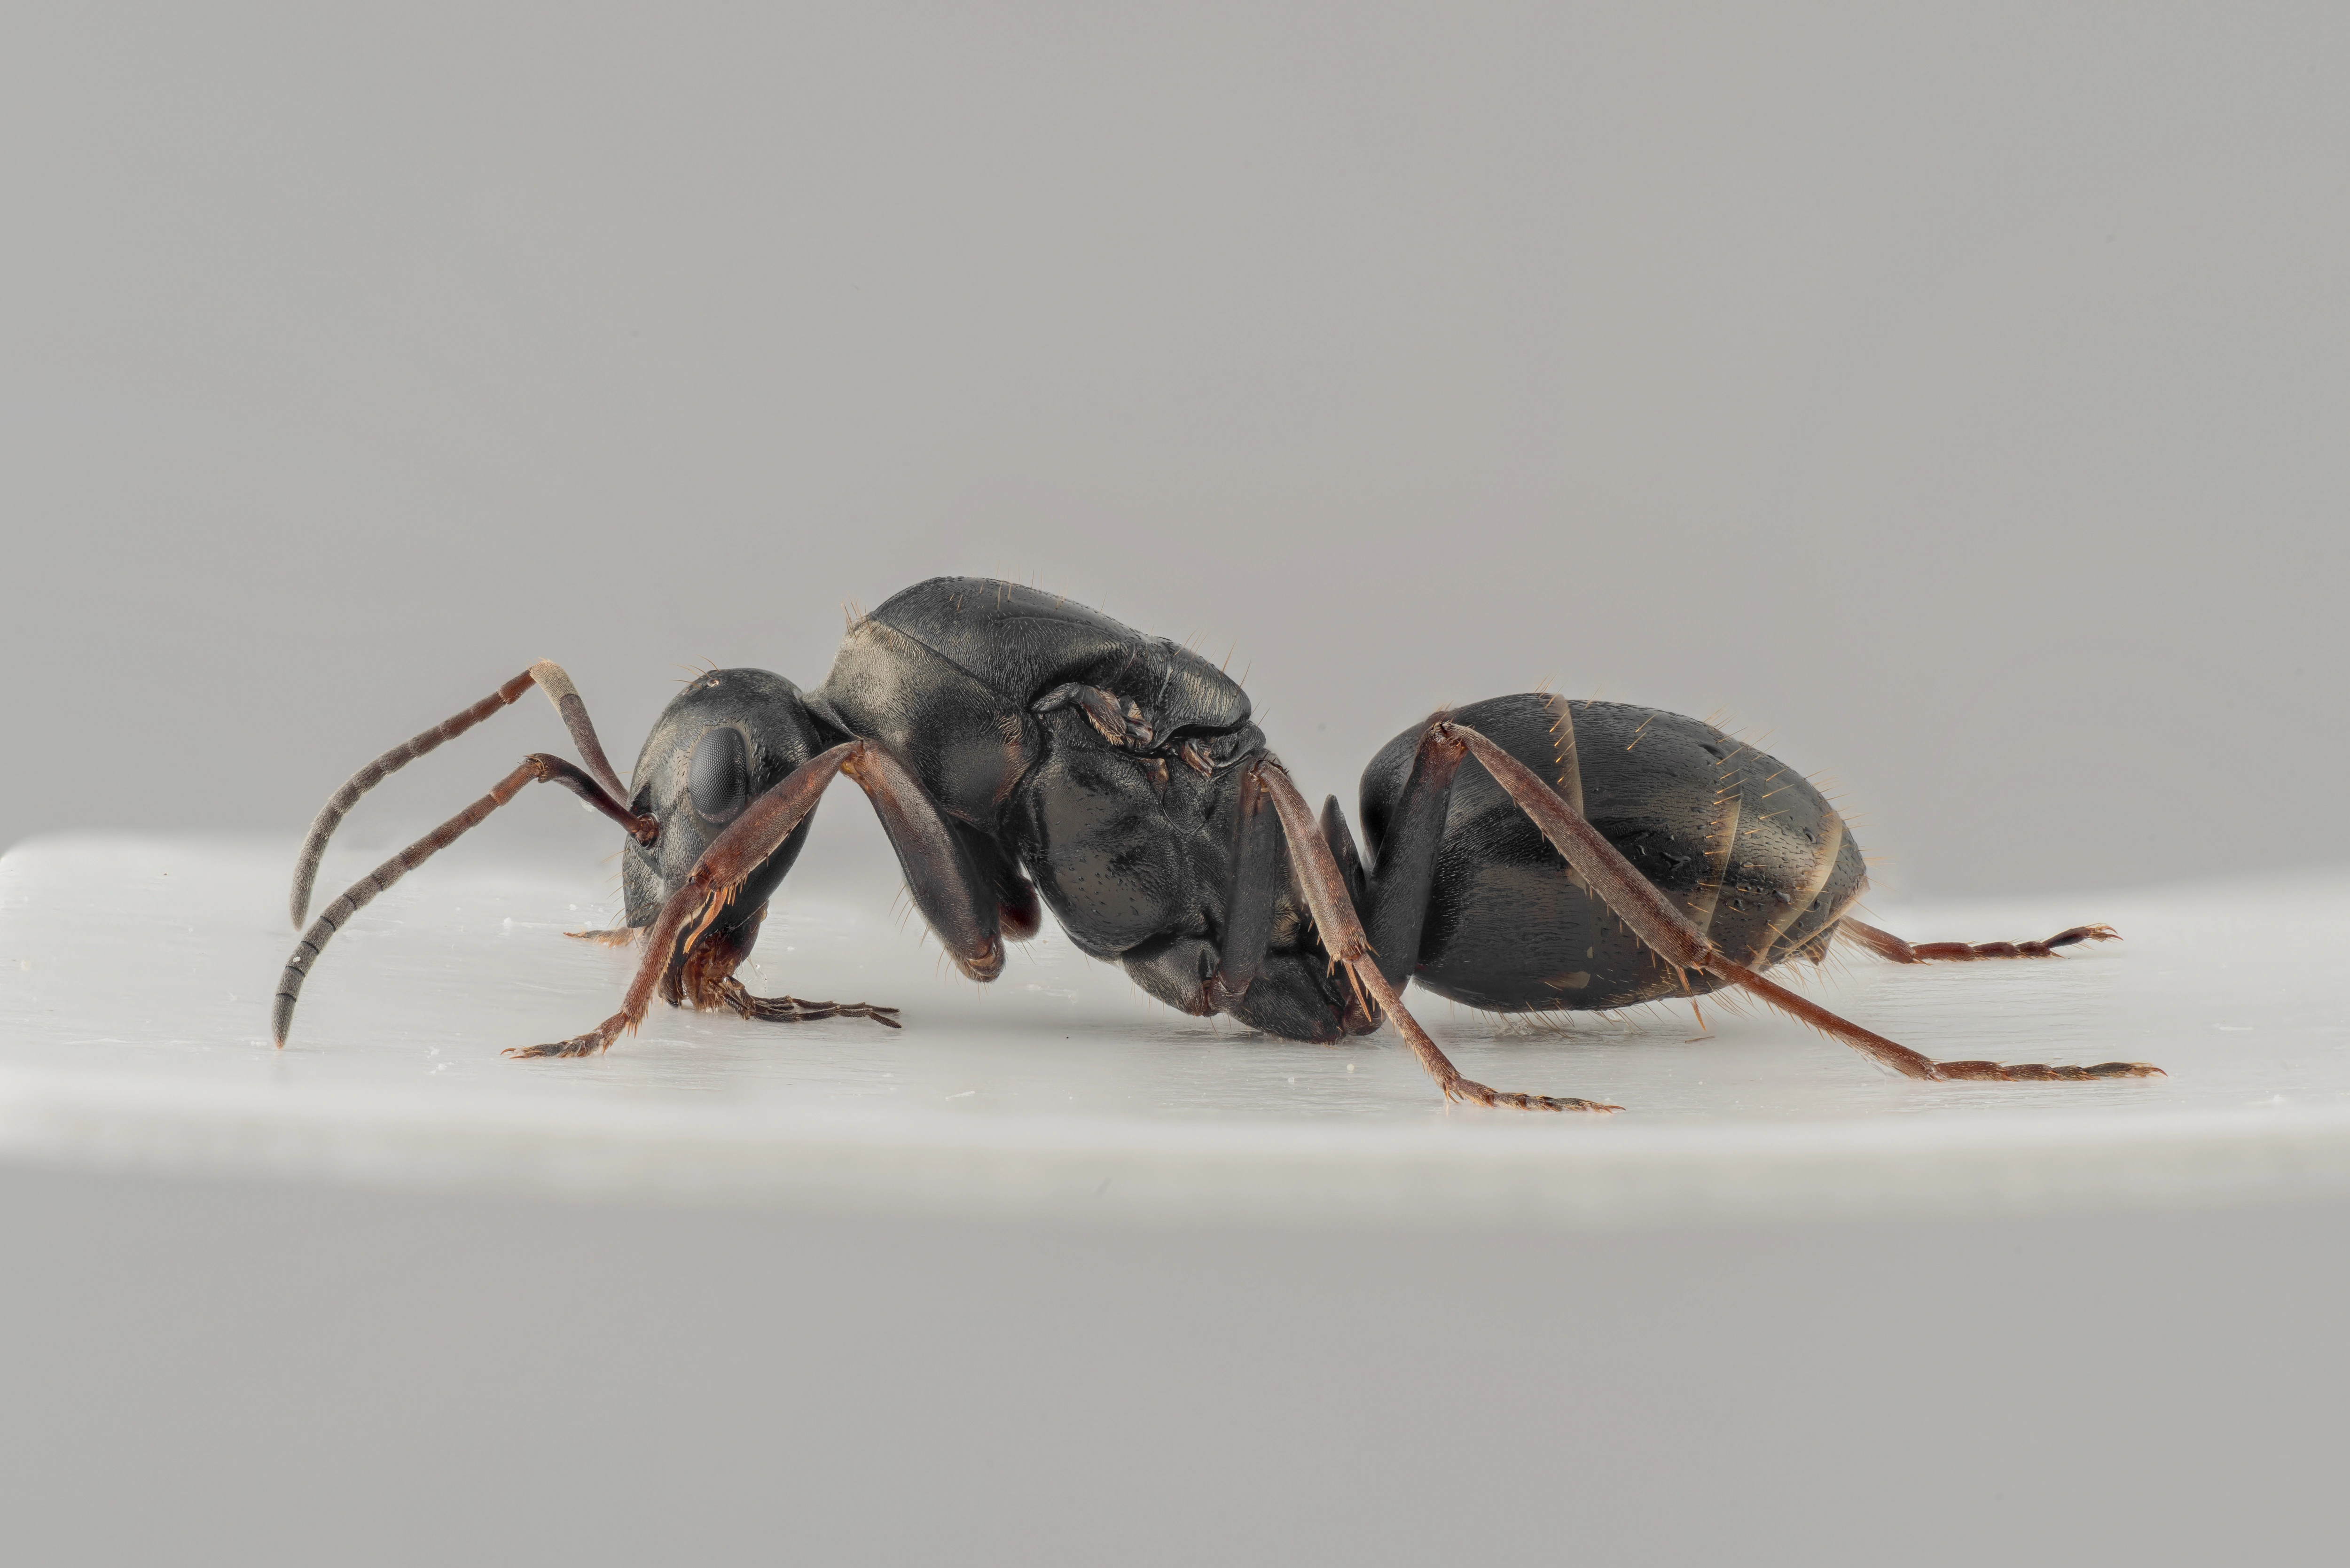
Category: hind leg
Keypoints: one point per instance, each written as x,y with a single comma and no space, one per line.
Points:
1885,945
1667,933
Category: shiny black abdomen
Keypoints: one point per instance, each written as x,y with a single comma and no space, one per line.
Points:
1750,850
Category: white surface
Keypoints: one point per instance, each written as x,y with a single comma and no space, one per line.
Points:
135,975
1055,1275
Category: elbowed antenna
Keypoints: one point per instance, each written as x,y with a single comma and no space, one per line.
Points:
546,675
536,767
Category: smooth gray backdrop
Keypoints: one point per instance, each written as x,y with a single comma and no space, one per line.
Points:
1957,399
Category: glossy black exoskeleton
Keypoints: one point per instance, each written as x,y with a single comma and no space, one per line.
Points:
1527,853
1749,849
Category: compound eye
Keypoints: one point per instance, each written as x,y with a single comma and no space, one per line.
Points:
719,779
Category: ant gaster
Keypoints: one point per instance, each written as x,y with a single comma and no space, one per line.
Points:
1526,854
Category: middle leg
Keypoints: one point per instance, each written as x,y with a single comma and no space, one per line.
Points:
1320,878
1885,945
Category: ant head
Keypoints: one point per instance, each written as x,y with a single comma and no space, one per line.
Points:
725,740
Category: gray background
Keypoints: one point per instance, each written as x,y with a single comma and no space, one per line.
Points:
1954,399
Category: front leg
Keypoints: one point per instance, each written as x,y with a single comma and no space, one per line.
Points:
955,902
733,993
702,978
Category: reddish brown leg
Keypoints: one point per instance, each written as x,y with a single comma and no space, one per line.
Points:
1342,935
1885,945
961,911
791,1010
701,976
1667,933
730,993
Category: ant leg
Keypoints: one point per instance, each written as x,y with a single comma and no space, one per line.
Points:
536,767
1885,945
791,1010
1248,912
1396,889
1017,912
701,976
1324,887
728,991
1654,918
1282,991
548,677
959,906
